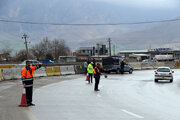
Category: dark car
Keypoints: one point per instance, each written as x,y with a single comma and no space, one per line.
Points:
114,65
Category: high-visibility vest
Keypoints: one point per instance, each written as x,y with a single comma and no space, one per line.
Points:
27,76
96,68
96,72
90,68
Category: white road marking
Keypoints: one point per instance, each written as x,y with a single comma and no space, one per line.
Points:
132,114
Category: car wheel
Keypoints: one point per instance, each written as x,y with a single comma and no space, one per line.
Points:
130,71
155,80
171,80
118,71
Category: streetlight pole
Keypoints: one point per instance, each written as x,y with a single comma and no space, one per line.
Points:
25,42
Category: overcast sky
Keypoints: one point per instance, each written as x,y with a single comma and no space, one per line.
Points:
150,4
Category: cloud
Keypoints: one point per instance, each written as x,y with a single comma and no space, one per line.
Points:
14,13
162,4
3,2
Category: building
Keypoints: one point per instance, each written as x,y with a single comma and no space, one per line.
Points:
67,59
139,55
100,49
134,55
4,56
90,51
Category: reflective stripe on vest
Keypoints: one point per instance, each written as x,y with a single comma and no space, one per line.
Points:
28,79
27,73
96,69
29,85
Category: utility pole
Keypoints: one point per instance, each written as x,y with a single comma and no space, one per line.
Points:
109,40
25,42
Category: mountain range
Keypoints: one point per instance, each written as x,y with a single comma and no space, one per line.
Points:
124,37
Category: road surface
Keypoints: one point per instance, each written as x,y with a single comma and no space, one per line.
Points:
121,97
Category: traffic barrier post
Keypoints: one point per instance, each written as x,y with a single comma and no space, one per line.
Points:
67,70
6,66
51,71
1,76
11,73
56,70
41,72
79,69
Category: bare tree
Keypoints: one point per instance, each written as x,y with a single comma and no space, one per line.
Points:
40,50
47,49
37,51
46,46
21,55
59,48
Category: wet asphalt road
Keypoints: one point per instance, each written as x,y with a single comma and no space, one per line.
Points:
121,97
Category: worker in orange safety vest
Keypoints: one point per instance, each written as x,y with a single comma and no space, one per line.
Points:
97,75
27,80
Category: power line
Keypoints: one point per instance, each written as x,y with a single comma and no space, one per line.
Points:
93,24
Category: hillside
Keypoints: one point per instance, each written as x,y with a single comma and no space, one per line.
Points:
85,11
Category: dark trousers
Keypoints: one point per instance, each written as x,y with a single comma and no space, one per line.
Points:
97,79
85,71
90,77
122,70
29,91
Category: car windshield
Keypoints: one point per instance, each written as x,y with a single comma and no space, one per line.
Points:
163,70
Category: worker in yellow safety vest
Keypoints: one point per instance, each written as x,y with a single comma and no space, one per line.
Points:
90,70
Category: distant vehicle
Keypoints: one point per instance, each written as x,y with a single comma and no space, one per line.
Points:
114,65
148,61
163,57
163,73
33,62
47,61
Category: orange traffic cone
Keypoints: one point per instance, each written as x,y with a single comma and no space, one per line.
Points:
87,77
23,99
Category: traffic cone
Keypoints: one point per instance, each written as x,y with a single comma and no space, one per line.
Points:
87,77
23,98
